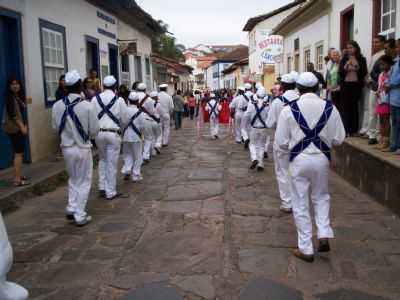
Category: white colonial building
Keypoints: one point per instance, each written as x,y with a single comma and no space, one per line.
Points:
42,39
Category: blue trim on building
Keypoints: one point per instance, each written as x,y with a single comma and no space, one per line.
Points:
107,33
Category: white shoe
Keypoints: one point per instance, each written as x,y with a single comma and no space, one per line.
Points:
137,179
12,291
86,220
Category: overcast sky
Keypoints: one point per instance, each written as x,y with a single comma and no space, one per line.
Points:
208,21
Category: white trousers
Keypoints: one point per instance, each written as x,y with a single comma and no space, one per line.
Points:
245,129
133,154
165,128
109,146
79,166
238,126
372,116
363,110
258,138
149,139
214,125
281,164
310,172
8,290
267,143
157,132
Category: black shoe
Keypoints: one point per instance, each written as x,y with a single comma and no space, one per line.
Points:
146,161
246,144
69,217
324,245
164,146
216,137
265,155
372,141
126,177
253,164
260,169
157,150
102,193
238,142
302,256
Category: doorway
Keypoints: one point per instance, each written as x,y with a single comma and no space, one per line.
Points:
113,60
11,65
346,26
92,54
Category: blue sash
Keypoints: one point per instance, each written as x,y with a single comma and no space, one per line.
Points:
311,135
213,109
132,124
107,109
258,114
285,100
69,111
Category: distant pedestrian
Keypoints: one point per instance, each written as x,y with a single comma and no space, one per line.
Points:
214,108
192,105
179,109
333,80
61,91
167,108
88,88
96,81
123,92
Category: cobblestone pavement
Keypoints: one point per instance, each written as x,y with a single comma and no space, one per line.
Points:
202,226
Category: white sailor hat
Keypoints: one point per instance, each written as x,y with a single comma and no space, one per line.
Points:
241,88
141,86
109,81
72,77
212,95
259,85
247,86
261,92
288,78
153,94
307,79
163,86
133,96
295,75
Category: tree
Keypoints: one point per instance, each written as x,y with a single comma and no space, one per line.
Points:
164,44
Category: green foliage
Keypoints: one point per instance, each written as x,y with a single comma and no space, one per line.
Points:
165,45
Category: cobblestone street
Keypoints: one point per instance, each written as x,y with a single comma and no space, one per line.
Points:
202,226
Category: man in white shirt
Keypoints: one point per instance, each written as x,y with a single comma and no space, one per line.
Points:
308,128
245,126
281,157
256,115
213,108
110,109
133,121
157,130
76,122
167,107
146,105
238,112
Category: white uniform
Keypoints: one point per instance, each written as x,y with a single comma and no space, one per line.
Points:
256,116
8,290
133,122
148,131
109,141
245,126
157,126
236,106
167,107
77,151
309,167
214,109
281,157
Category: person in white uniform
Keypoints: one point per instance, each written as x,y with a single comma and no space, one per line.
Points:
256,115
167,107
237,112
245,126
308,128
133,122
146,105
75,121
213,108
157,130
281,157
8,290
110,109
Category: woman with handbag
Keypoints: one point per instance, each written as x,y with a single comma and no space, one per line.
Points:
15,126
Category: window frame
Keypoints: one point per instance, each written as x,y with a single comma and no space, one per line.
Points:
305,62
289,63
138,71
392,10
44,24
318,63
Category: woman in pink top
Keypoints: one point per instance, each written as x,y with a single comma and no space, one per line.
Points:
382,106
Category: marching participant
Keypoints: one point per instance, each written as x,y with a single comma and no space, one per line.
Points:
132,138
157,131
76,123
110,108
308,128
256,115
146,105
237,113
281,157
213,108
167,107
245,126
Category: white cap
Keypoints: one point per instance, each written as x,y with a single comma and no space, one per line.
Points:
163,86
295,75
212,95
261,92
247,86
141,86
307,79
72,77
109,81
241,88
288,78
133,96
153,94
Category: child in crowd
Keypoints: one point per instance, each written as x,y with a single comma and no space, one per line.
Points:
383,107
